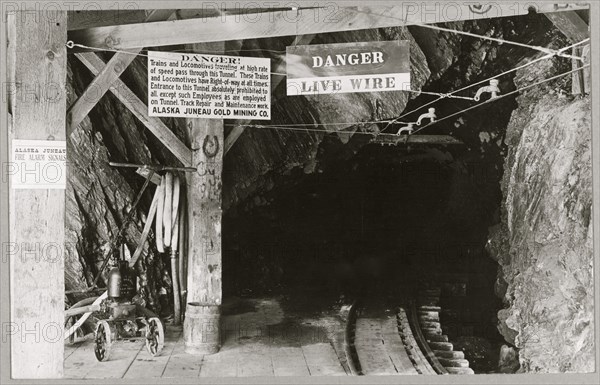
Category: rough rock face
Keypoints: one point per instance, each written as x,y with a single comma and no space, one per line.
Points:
544,243
99,196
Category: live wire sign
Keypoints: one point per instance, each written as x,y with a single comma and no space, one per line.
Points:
348,67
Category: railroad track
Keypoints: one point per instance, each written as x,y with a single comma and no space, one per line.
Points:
406,340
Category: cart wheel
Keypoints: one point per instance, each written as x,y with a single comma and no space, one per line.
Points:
155,337
103,339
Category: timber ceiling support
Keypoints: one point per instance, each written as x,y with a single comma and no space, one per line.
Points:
106,77
575,29
279,23
570,24
140,110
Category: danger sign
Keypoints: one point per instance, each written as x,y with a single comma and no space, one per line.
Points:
348,67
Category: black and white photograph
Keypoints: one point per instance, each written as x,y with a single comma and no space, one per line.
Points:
299,192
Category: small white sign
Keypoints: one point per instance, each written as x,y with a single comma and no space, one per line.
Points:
188,85
38,164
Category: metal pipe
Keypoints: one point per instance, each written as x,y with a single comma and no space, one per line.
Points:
176,293
155,167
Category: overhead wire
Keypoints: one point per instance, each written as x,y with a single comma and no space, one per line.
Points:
297,127
501,41
442,96
404,22
498,40
501,96
70,44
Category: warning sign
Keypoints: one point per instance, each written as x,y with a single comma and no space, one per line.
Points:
38,164
190,85
348,67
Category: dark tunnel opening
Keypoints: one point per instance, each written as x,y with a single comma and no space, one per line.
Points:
372,222
364,221
382,225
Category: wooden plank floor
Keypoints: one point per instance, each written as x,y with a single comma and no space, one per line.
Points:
132,360
247,351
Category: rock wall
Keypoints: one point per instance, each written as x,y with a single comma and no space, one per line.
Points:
544,241
99,197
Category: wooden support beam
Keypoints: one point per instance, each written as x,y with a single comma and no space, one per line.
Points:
575,29
570,24
140,110
581,83
234,134
97,88
389,139
36,216
201,329
103,18
284,23
98,18
240,125
111,71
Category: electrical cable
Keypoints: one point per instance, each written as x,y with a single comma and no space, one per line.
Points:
498,40
492,77
70,44
501,96
298,127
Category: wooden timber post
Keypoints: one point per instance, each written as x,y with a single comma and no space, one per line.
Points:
201,328
38,69
575,29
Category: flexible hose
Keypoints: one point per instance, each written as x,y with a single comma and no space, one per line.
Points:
168,209
159,216
174,254
182,245
84,317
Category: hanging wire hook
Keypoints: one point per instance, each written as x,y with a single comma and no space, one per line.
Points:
491,88
393,121
408,129
430,114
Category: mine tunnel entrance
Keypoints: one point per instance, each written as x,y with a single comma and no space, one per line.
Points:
385,223
285,225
